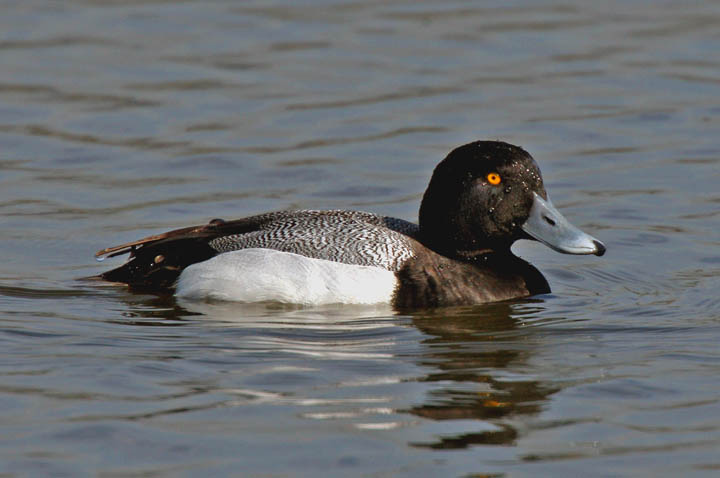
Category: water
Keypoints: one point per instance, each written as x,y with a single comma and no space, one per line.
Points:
124,119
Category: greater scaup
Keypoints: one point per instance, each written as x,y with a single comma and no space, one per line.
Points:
481,198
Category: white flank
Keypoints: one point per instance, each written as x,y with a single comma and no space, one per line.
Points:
266,275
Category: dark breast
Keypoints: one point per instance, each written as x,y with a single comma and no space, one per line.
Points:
432,280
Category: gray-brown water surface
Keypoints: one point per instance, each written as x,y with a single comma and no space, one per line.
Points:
124,119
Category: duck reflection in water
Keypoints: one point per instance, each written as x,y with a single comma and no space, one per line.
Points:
471,348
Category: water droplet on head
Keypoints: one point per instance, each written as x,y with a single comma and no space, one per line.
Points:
100,259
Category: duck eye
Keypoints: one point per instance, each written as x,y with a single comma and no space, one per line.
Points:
493,178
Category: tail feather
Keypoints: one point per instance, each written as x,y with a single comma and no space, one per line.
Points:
156,261
157,266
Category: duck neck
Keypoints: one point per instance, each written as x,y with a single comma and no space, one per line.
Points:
445,236
461,250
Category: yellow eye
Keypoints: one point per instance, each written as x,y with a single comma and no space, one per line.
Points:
493,178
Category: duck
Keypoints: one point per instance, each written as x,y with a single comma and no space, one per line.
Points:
481,198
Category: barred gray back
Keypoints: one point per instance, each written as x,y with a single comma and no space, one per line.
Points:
350,237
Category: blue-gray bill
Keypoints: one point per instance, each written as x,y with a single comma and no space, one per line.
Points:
548,226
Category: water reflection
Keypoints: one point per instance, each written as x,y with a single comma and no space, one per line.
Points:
473,362
477,353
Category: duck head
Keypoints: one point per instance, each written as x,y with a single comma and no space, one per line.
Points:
486,195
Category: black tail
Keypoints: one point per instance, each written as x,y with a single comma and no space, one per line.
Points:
157,261
156,266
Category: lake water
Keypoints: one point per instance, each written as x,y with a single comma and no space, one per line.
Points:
124,119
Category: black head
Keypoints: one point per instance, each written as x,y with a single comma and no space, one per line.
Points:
486,195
